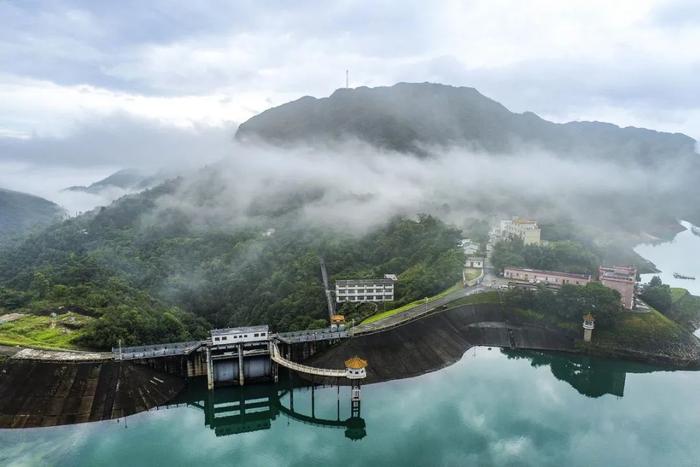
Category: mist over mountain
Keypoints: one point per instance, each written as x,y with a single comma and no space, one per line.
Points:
416,117
21,213
126,179
389,187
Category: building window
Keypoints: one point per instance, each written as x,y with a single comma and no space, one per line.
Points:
216,338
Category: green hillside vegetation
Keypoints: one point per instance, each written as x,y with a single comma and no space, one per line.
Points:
566,307
21,213
566,256
685,308
615,330
151,276
62,332
676,303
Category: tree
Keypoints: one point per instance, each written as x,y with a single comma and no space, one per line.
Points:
655,282
658,295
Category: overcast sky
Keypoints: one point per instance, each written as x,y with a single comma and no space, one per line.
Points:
128,81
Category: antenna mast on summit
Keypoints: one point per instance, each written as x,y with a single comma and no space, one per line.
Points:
347,79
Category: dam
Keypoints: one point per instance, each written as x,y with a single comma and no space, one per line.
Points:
236,356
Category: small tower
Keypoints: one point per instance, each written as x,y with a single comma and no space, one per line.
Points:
337,322
355,371
588,326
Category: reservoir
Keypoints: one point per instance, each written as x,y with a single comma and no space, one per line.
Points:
492,407
681,255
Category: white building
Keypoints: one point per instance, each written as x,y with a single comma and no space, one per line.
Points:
364,290
476,262
469,246
242,335
525,229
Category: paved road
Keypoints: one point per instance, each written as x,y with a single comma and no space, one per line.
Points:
420,310
489,282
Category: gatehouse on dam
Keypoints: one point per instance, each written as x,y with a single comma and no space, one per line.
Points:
242,355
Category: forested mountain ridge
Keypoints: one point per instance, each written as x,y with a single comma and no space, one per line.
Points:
126,179
412,116
238,242
21,212
151,275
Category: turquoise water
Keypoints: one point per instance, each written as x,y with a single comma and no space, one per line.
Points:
681,255
491,408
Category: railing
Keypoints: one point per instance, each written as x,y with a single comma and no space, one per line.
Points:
310,370
154,351
311,336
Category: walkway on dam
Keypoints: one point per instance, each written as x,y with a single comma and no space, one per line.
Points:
156,351
311,335
309,370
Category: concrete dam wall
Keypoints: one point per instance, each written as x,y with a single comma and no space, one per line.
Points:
34,393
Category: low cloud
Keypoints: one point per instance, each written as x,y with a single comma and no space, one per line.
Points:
355,187
45,166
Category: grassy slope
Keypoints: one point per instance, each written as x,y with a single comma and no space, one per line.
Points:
472,273
411,305
686,308
634,328
645,333
37,331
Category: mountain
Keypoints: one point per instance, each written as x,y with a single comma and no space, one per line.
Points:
413,117
149,270
21,213
130,180
238,242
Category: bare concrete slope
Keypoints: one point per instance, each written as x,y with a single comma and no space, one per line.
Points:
439,340
34,393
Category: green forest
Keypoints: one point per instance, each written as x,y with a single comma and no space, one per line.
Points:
566,256
150,281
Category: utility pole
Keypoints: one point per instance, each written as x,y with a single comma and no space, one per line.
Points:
347,79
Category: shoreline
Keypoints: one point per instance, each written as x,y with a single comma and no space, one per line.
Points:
441,339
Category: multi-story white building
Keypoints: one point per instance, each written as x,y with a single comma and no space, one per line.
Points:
242,335
364,290
525,229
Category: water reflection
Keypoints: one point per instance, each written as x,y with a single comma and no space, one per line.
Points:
234,410
590,376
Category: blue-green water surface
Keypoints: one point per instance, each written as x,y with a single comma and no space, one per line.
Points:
491,408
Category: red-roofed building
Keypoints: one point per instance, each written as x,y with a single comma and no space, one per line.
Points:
546,277
620,278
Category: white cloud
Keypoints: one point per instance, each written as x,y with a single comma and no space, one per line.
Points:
632,62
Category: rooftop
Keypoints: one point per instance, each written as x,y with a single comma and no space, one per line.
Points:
355,363
346,282
524,221
551,273
618,273
245,329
